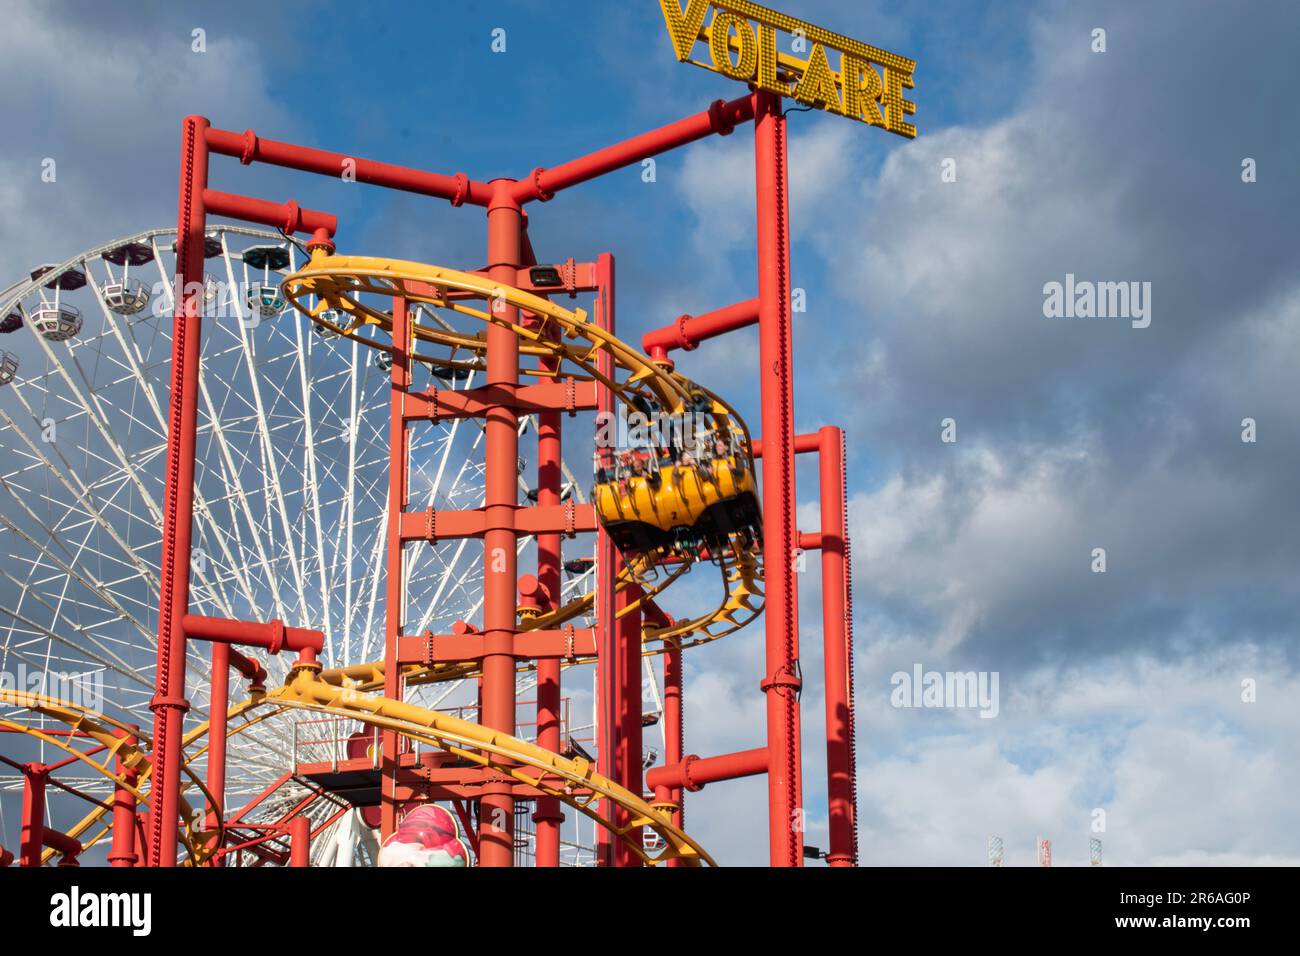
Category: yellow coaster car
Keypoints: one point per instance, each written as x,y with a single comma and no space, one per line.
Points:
675,501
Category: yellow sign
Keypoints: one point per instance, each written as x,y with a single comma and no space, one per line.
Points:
742,40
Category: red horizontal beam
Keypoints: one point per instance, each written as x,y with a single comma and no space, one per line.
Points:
550,396
274,636
251,148
60,842
431,525
693,772
803,444
288,216
720,118
690,330
526,645
567,518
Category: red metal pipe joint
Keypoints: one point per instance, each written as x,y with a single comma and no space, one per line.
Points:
720,118
287,216
123,851
61,843
249,148
35,776
692,772
803,444
690,330
248,668
273,635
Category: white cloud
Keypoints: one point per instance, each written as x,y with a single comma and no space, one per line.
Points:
107,107
1184,770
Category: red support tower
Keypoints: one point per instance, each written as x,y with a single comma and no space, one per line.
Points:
505,239
496,643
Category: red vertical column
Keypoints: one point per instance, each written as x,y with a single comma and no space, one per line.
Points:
548,815
837,635
169,703
218,705
123,852
781,685
608,563
674,728
394,599
496,809
300,842
33,832
627,751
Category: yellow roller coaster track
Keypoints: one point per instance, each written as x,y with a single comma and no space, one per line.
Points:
572,780
335,283
102,730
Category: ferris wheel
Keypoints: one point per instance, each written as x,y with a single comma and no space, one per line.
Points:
291,484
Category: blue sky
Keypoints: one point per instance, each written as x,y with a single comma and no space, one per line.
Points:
1120,691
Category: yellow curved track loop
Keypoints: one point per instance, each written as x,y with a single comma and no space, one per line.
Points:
100,729
336,282
207,841
579,785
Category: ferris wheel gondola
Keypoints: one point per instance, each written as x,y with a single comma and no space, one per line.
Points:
125,294
265,297
52,317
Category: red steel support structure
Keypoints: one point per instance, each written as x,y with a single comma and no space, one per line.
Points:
500,574
123,852
776,377
497,643
35,777
608,565
219,700
627,675
398,480
837,638
674,729
300,842
170,703
548,816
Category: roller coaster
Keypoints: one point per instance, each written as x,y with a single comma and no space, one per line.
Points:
705,496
